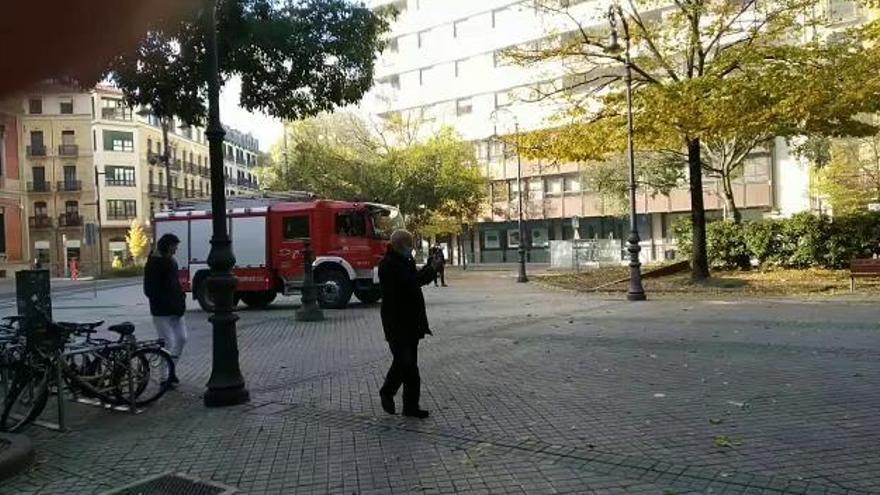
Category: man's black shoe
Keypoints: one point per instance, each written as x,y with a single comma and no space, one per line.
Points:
416,413
387,403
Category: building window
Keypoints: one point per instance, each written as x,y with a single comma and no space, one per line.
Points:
35,106
71,208
540,237
843,10
393,46
572,184
119,176
554,186
41,209
115,109
459,68
512,238
121,209
118,141
536,188
423,37
464,106
503,99
491,239
66,105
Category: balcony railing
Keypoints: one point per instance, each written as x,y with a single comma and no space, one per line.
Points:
116,114
119,182
247,183
70,220
69,185
36,150
118,215
205,172
68,150
39,187
158,190
40,222
174,165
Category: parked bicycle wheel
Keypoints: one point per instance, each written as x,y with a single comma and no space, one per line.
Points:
93,377
26,398
152,369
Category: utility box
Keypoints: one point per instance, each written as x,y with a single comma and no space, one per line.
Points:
33,296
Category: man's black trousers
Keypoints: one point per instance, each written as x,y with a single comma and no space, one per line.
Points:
404,371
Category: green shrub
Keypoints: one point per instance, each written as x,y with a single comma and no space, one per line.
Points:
802,241
726,245
128,271
763,239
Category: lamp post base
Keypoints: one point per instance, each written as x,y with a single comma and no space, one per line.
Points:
522,277
309,313
222,397
636,296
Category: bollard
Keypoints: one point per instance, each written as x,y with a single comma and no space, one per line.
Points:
310,311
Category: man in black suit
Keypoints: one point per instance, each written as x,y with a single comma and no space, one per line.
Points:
404,321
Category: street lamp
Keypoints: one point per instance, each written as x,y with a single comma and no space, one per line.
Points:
636,292
521,277
226,386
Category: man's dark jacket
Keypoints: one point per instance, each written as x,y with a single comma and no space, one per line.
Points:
404,318
162,287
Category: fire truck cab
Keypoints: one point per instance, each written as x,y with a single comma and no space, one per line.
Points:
348,239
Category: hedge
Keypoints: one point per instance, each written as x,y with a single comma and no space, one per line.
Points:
802,241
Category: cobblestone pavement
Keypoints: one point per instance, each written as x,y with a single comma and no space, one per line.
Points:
531,391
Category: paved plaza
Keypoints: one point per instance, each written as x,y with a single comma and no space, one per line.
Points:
531,390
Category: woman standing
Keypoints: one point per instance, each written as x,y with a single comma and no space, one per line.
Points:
167,299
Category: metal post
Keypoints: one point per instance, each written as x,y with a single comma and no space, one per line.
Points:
226,386
521,277
636,292
309,311
100,234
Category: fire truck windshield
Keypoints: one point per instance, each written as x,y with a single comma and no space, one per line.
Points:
386,219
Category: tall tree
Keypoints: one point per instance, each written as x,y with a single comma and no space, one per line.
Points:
689,57
295,58
435,183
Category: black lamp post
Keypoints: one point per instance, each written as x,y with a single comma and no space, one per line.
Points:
226,386
636,292
521,276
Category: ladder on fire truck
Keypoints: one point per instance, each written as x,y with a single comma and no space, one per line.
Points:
246,201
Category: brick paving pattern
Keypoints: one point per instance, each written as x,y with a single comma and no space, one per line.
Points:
531,391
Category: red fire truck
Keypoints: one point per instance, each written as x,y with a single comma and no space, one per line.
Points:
347,239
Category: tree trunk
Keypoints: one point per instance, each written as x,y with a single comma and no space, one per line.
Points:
699,259
730,200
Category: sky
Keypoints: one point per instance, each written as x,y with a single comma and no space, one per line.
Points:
265,128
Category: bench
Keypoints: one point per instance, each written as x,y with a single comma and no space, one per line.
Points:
862,267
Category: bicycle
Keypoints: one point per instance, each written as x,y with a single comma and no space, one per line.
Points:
117,372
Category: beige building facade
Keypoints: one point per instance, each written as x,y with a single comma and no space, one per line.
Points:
58,175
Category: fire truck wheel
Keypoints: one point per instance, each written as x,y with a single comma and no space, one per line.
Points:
258,300
334,288
368,296
203,295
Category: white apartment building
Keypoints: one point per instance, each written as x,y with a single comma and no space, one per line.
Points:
443,66
241,153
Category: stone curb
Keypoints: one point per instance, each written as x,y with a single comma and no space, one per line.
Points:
17,457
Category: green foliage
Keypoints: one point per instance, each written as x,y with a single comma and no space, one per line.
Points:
435,183
726,244
850,177
763,240
137,240
294,59
695,89
125,272
802,241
